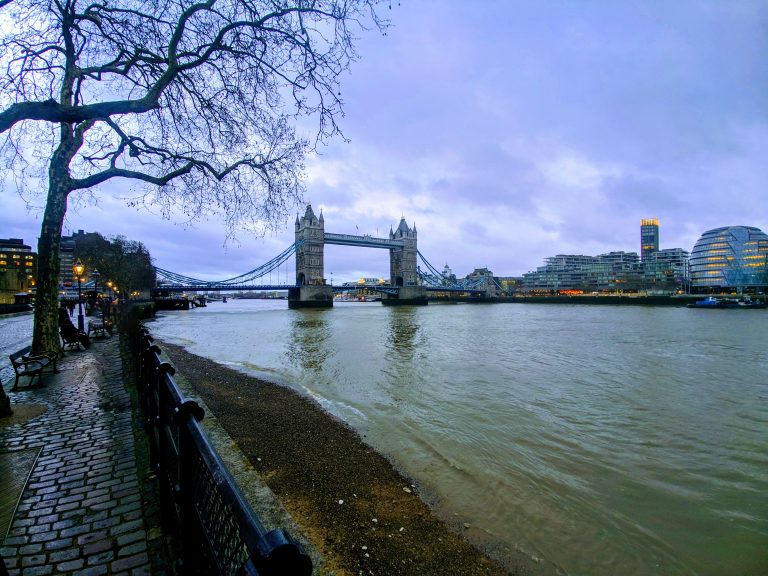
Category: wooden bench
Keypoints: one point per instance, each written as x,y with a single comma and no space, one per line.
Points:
32,365
100,326
96,327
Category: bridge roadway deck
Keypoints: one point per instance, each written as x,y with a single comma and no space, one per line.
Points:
365,241
272,287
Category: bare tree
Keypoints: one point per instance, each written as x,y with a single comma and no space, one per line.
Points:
197,100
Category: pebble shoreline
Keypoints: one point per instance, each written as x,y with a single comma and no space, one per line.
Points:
356,509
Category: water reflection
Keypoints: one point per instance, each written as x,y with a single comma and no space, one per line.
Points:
403,366
308,345
403,332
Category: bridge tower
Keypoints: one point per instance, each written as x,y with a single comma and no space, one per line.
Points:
402,268
402,261
312,292
310,232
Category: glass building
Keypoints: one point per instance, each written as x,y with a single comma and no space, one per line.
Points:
649,237
732,257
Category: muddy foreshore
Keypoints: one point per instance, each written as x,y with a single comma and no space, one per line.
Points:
356,509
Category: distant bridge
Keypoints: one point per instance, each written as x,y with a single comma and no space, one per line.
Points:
408,266
433,280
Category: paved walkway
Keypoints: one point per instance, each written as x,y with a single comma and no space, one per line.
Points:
89,505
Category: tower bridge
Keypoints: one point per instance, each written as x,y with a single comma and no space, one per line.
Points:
409,284
311,239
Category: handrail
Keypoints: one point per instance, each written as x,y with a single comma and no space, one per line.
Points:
200,501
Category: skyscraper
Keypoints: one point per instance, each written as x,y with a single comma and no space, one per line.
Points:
649,237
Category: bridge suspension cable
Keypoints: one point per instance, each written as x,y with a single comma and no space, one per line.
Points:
242,279
436,279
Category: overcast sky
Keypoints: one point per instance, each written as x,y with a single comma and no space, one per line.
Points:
510,131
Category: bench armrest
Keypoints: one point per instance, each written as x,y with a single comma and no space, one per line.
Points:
29,362
49,355
43,358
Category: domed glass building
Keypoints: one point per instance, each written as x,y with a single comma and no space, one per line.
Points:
730,257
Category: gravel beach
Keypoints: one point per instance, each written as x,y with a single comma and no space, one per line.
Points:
357,510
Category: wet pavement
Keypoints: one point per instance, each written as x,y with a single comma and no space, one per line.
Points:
88,506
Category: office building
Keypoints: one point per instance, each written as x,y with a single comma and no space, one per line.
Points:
649,237
730,258
18,269
67,258
666,270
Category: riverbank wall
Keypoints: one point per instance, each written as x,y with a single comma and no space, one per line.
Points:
592,299
14,308
609,300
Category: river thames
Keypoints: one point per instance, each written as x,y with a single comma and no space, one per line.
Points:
604,439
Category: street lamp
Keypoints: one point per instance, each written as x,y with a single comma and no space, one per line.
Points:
78,269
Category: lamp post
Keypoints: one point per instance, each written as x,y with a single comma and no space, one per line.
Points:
78,269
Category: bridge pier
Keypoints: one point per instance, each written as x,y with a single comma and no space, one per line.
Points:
311,296
406,296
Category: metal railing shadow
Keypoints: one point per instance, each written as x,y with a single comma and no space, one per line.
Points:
201,505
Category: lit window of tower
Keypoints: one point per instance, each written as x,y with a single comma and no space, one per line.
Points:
649,236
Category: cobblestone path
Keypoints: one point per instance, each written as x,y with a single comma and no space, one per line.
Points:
88,507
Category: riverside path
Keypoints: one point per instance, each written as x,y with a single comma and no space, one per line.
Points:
76,497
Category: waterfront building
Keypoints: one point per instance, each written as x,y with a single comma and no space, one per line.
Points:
610,272
666,270
730,258
18,269
449,278
483,279
649,237
509,284
366,283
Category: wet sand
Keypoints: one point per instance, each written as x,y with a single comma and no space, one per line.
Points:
356,509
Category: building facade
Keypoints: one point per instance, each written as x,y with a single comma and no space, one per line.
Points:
610,272
649,237
730,258
18,269
67,259
666,270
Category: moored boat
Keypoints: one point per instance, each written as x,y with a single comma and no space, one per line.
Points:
712,302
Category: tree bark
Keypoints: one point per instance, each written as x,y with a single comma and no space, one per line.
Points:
46,329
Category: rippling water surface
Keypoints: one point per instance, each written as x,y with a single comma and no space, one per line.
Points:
15,334
607,440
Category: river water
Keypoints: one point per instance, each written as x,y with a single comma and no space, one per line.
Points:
606,440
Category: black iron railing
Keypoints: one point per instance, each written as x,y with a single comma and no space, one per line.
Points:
200,502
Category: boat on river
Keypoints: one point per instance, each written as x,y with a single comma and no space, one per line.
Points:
712,302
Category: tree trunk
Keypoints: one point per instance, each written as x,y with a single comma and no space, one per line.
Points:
46,327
